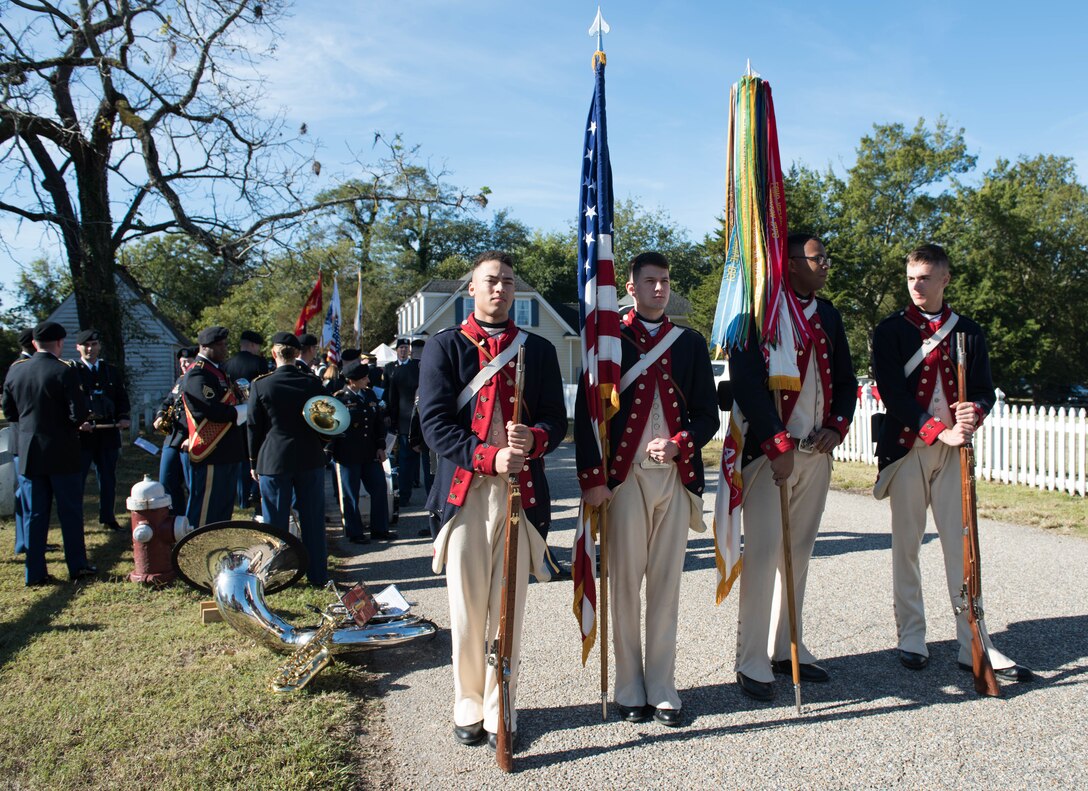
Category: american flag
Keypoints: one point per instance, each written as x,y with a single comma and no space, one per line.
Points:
600,329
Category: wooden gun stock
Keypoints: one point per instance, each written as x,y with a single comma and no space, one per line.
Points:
981,667
504,737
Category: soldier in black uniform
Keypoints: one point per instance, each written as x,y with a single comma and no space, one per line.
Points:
305,360
104,386
359,453
242,369
43,398
214,415
287,456
402,381
170,416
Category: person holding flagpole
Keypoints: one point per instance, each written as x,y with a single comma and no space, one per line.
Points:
653,480
466,402
788,445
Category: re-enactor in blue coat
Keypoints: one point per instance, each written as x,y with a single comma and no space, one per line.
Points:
478,448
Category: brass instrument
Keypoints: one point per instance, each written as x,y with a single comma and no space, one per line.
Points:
171,417
239,562
327,415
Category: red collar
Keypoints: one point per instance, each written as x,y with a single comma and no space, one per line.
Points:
915,316
642,332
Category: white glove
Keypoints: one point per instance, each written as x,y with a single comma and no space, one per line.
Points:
243,411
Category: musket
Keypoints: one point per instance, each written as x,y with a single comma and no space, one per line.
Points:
502,649
971,593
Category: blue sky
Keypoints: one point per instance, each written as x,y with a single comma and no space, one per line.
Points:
498,91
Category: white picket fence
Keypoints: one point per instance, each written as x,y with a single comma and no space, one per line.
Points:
1043,447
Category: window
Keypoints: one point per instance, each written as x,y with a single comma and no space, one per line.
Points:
523,312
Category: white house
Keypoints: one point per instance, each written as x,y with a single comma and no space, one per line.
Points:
151,341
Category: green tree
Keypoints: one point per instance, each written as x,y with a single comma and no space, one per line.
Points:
39,289
181,277
1019,248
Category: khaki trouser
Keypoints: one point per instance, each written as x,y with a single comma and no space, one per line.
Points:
763,629
928,477
648,520
471,545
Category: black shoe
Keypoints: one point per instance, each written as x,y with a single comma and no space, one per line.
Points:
52,547
112,524
84,573
385,535
493,741
762,691
635,713
469,735
1016,673
913,661
359,540
424,532
669,717
41,582
809,672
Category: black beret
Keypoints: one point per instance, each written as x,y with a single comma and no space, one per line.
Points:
356,371
26,335
349,355
307,339
86,336
286,339
186,353
212,335
252,337
403,342
49,331
418,343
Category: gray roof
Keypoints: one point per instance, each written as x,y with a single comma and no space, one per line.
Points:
441,286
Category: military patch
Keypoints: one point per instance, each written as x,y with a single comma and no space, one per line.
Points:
207,391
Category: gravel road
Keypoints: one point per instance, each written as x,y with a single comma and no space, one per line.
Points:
875,724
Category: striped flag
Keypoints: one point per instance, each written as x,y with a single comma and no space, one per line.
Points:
599,324
330,332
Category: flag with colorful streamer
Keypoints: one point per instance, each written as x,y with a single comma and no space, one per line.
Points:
330,331
599,325
754,303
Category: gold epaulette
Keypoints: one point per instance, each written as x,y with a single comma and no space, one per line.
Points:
261,376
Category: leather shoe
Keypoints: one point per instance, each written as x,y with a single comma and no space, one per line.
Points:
1015,673
810,672
43,581
913,661
112,524
52,547
669,717
762,691
359,540
469,734
385,535
493,740
84,573
635,713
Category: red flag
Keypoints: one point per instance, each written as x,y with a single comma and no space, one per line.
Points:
311,308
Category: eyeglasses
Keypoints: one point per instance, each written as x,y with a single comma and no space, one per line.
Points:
821,260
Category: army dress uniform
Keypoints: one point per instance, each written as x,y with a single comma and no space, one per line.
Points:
917,470
289,458
402,380
827,399
470,497
355,453
217,442
25,338
653,505
43,398
174,472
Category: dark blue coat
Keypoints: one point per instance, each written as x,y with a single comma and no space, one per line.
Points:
450,361
203,392
280,439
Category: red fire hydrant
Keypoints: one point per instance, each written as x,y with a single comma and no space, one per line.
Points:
154,532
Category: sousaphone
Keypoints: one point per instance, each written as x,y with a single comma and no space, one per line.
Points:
326,415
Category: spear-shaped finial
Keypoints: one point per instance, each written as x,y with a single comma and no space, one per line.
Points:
599,27
748,72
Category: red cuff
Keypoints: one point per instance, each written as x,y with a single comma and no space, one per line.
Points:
840,424
980,415
777,445
540,443
483,460
931,430
686,443
590,477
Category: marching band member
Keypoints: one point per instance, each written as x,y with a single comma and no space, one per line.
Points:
792,450
918,447
170,417
466,395
653,479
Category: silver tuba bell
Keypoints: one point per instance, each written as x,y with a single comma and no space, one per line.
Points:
326,415
239,562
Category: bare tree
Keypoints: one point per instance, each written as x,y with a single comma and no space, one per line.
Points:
123,119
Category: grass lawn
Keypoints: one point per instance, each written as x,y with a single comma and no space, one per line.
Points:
1020,505
112,684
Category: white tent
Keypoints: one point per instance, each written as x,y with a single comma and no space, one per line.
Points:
383,353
